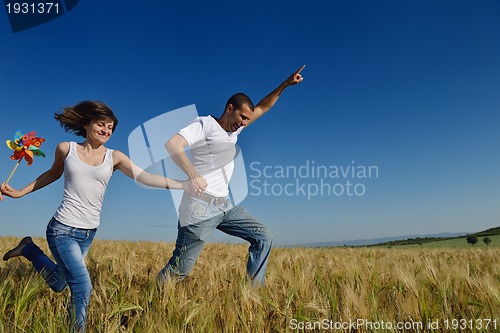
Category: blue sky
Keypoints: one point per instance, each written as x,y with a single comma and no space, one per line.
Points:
408,87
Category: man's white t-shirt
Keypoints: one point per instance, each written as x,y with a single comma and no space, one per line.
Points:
212,152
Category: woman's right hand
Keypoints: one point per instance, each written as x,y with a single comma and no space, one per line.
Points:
9,191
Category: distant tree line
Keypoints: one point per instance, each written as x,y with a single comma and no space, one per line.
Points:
471,239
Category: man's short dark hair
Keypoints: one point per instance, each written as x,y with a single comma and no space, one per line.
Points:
237,101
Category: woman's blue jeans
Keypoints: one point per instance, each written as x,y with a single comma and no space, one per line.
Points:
69,246
199,218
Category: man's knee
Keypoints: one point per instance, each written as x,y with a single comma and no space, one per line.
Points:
265,238
268,236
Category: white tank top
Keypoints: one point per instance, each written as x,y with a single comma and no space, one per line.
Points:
84,188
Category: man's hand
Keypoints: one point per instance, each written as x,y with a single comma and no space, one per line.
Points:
197,185
295,77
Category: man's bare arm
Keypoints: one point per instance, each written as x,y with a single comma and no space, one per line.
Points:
267,102
176,148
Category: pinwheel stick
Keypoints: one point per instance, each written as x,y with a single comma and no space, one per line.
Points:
17,164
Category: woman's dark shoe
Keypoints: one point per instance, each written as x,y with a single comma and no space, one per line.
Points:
16,252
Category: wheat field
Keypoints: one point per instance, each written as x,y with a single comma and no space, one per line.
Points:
307,290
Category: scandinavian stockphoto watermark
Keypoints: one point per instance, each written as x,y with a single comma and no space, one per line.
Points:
366,325
307,179
147,150
310,179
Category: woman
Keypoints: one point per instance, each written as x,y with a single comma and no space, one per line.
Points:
87,168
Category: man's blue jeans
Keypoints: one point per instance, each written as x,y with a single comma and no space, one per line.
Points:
198,218
69,246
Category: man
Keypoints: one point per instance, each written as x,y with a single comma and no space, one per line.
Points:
206,205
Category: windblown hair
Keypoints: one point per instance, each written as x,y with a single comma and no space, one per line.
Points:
74,118
238,99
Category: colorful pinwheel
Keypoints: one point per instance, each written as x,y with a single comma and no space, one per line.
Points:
25,146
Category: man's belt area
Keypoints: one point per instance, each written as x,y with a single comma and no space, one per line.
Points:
210,199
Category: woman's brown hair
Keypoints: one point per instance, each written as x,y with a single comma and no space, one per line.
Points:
74,118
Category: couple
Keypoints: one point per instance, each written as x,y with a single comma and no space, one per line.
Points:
87,168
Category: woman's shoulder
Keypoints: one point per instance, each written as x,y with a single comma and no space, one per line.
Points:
63,146
116,152
62,150
117,155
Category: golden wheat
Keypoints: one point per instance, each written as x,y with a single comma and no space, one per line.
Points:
307,290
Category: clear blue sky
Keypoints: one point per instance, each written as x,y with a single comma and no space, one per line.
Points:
411,87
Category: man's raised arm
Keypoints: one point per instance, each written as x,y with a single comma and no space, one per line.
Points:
267,102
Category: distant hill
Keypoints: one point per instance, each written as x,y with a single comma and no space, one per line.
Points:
404,240
421,240
378,241
488,232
